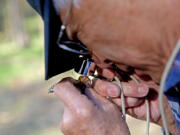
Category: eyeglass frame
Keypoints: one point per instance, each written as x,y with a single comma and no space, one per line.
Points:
66,45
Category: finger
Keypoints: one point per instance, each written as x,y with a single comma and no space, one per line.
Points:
131,89
110,89
105,88
67,122
106,72
71,96
66,119
94,97
151,84
99,101
138,112
129,102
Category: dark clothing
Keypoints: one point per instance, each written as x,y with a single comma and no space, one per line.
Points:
56,60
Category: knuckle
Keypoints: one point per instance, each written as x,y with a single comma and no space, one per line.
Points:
83,113
64,129
66,125
62,84
67,79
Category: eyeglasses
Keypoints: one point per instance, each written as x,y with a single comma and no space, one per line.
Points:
71,46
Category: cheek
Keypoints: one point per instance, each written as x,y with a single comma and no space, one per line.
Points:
100,61
125,68
114,53
121,55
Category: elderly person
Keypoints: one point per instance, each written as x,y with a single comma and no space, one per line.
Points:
138,37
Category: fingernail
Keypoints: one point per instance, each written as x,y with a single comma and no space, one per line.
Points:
112,93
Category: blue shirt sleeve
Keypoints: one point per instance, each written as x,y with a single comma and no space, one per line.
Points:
172,90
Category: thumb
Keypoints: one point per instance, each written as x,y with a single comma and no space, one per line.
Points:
71,96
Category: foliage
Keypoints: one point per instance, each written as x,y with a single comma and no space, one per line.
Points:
17,63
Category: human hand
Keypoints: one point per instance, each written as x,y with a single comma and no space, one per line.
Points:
88,114
135,96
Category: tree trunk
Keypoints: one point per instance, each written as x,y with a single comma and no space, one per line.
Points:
15,23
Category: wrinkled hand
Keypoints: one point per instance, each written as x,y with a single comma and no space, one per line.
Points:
135,95
88,114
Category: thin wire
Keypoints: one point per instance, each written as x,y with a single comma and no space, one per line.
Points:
72,50
122,98
147,107
162,84
80,71
79,44
147,117
63,26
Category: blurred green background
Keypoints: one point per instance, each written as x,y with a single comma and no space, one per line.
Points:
21,43
26,108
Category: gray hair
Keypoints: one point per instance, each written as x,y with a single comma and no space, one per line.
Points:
63,4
